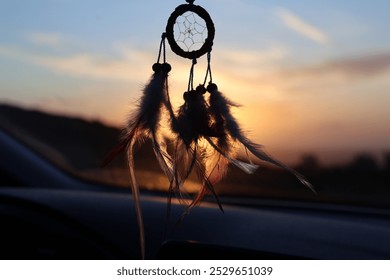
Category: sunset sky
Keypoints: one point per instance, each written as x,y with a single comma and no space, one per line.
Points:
311,76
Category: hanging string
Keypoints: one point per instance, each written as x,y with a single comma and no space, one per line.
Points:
208,72
191,79
162,49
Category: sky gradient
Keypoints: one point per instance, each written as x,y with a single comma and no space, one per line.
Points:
311,76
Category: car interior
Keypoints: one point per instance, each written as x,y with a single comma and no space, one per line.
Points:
48,214
275,111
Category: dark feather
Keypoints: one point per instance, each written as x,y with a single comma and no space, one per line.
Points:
144,123
191,125
220,110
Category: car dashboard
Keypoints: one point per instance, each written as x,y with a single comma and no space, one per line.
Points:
47,214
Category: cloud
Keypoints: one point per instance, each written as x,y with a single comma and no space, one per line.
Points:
358,66
123,67
88,65
302,27
46,39
240,67
253,58
354,67
62,55
358,73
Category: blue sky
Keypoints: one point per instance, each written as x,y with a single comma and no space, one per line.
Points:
311,75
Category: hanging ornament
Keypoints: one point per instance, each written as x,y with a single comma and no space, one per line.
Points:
206,134
190,32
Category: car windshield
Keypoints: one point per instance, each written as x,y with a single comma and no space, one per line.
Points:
311,79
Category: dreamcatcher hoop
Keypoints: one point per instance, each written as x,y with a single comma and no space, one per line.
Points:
170,33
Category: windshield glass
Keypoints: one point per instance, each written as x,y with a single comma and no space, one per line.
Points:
311,78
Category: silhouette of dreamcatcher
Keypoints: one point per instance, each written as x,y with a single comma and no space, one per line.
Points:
203,134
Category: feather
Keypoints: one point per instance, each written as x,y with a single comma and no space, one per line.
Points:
193,120
225,146
226,153
207,187
220,110
136,196
191,125
144,123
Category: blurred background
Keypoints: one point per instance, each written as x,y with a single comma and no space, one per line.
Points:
312,78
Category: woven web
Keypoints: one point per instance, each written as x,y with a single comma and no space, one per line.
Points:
190,31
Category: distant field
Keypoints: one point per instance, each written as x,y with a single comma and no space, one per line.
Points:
79,147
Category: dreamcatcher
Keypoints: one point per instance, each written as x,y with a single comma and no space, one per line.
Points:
206,134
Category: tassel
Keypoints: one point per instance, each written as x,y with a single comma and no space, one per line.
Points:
191,124
224,120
